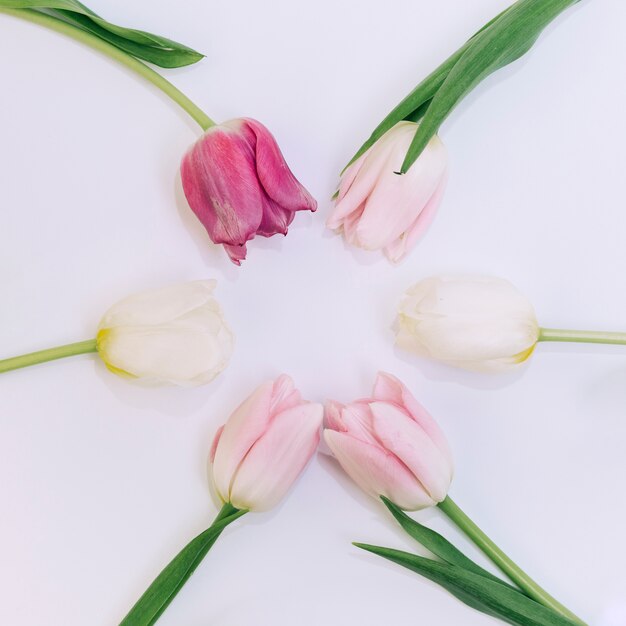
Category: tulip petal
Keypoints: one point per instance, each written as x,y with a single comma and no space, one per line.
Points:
407,440
284,395
243,428
479,323
332,416
274,174
216,440
388,388
377,471
220,182
190,350
364,183
357,419
276,460
157,306
276,220
397,200
237,254
398,249
350,175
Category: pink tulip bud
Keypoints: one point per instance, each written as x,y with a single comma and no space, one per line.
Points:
264,446
238,184
377,208
390,446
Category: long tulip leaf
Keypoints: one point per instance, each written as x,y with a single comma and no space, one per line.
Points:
439,545
415,104
476,591
140,44
503,42
170,581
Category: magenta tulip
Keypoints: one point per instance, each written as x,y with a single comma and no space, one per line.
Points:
264,446
379,209
390,446
238,184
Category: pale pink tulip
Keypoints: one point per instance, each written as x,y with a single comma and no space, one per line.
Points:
264,446
238,184
376,207
390,446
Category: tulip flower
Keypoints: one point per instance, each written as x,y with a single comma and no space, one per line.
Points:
264,446
376,207
234,177
376,210
393,449
255,458
173,335
477,323
389,445
238,184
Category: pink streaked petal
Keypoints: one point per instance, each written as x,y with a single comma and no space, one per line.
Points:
377,472
275,220
277,458
237,254
284,395
243,428
407,440
274,174
220,183
332,416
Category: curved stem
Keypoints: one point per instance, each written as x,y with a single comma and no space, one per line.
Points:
581,336
119,55
60,352
503,562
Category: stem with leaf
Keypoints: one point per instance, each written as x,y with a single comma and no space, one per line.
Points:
87,38
503,562
170,581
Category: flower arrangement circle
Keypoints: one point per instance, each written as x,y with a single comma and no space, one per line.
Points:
238,184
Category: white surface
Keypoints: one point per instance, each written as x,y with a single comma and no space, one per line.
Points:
103,481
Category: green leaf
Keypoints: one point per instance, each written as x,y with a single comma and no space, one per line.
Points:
501,43
476,591
170,581
143,45
439,545
414,106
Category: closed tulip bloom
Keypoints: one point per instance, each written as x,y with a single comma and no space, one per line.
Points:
476,323
376,207
174,335
238,184
264,446
390,446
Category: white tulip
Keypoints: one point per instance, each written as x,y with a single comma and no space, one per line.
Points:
476,323
174,335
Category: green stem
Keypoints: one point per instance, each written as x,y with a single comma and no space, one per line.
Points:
503,562
170,581
60,352
119,55
581,336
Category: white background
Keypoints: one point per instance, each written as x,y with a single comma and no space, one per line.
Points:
103,481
